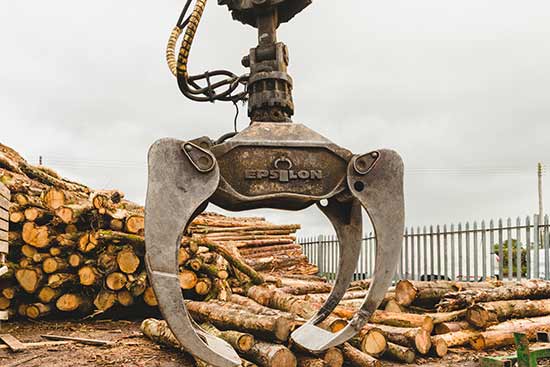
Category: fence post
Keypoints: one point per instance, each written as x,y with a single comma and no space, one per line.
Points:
468,252
519,265
484,249
445,252
528,246
320,256
537,245
476,253
453,259
546,249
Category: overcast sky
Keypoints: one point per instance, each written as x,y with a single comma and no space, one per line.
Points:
460,88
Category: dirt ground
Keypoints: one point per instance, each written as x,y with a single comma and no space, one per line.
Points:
130,348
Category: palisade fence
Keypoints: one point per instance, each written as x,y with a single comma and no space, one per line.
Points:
468,252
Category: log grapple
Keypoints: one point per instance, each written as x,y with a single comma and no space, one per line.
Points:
273,163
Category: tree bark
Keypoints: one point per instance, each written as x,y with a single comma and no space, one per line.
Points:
357,358
483,315
273,327
400,354
271,355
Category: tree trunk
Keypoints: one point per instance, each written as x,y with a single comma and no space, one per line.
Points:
127,260
357,358
271,355
188,279
105,299
483,315
116,281
54,265
503,334
400,354
37,310
451,327
88,275
457,338
533,289
37,236
71,302
29,279
402,319
242,342
224,317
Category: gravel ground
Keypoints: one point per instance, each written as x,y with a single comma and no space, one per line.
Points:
131,349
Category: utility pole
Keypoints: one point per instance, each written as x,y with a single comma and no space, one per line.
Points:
541,208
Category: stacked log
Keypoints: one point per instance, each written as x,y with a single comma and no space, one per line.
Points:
75,251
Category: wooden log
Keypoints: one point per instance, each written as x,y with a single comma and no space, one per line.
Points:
75,260
17,215
213,271
40,257
188,279
48,294
231,255
357,358
257,308
439,347
134,224
408,292
125,298
149,297
70,214
38,310
37,236
203,286
106,236
34,214
87,242
441,317
308,361
105,299
302,287
399,353
242,342
271,355
29,279
402,320
373,342
457,338
54,264
60,280
451,327
71,302
183,256
28,251
483,315
273,327
417,338
88,276
55,251
9,292
333,357
107,261
532,289
68,239
127,260
137,285
159,332
4,303
504,336
393,306
276,299
115,281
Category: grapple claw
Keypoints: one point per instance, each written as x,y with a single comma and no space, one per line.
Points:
176,189
376,180
346,219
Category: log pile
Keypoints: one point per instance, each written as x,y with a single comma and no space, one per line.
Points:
74,250
77,252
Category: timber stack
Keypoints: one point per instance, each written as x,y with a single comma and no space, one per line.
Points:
76,252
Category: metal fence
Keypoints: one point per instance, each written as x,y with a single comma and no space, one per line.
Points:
475,251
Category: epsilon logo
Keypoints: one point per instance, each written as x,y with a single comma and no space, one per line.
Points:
283,172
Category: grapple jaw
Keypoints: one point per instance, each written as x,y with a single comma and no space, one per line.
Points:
291,170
